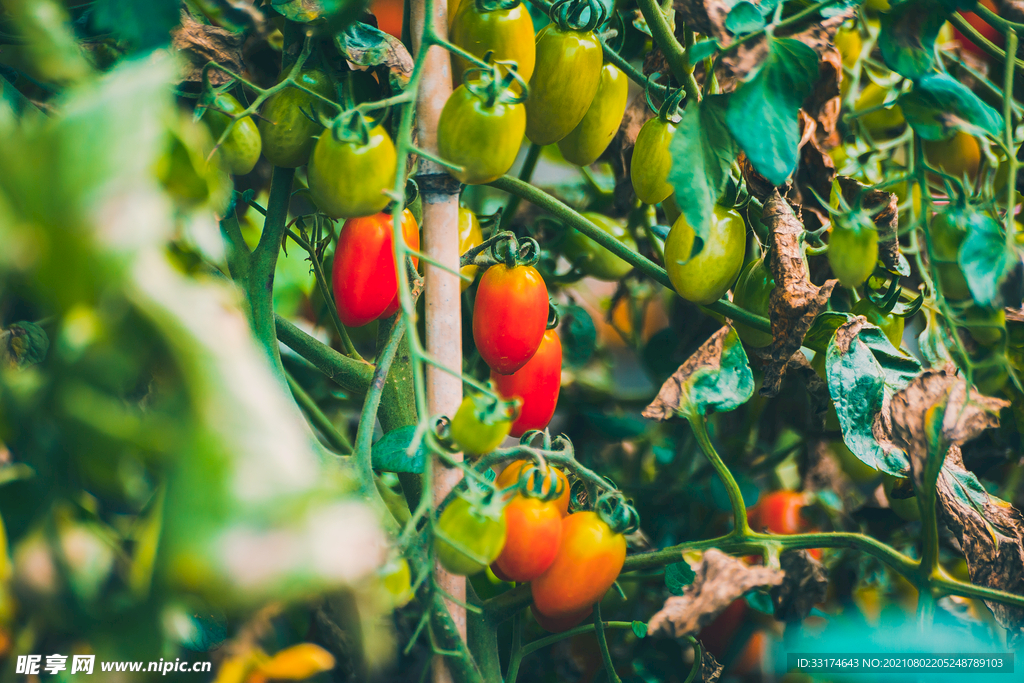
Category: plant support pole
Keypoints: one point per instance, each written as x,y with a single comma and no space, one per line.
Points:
440,197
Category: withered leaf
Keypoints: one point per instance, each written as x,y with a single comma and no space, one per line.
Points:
716,376
794,302
367,46
805,585
201,44
886,220
710,670
720,580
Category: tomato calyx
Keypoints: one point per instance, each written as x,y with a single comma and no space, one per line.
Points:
495,5
889,301
669,111
568,14
540,481
617,512
492,86
504,248
350,126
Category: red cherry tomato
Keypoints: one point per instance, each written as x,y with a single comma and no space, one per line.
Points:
536,384
557,625
781,512
588,562
412,240
509,316
533,533
982,27
364,276
510,476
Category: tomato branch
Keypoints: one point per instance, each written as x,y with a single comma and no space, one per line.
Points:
675,54
335,438
349,374
981,41
529,648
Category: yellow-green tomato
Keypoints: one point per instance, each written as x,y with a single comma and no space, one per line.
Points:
507,33
652,161
287,132
946,236
855,468
591,136
483,138
590,257
986,325
704,278
890,324
241,149
476,430
479,531
348,178
752,293
852,253
902,498
564,83
883,122
396,578
470,235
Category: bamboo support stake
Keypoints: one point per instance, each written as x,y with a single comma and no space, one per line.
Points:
439,193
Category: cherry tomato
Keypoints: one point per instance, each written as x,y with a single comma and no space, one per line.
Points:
651,161
560,624
241,148
287,132
752,293
470,235
509,316
902,498
564,82
477,530
705,277
590,257
958,156
483,138
884,122
984,28
510,477
947,234
496,570
364,276
477,427
986,325
588,562
348,179
852,254
536,384
781,512
890,324
592,135
507,33
411,232
533,534
397,581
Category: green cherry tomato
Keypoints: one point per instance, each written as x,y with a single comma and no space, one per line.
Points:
652,161
752,293
901,496
890,324
564,83
479,531
706,277
241,148
883,122
287,132
348,178
591,136
986,325
479,426
852,254
483,138
507,33
959,156
590,257
396,578
947,236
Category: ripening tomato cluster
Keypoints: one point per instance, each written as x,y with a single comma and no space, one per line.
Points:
570,560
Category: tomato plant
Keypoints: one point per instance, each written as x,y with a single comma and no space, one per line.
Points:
592,135
481,424
533,535
348,176
241,148
511,474
503,29
703,278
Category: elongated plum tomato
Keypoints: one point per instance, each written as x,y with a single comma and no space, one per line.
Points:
587,564
287,132
959,156
537,384
475,529
705,277
348,178
533,531
474,431
507,33
752,293
564,82
364,276
591,136
411,232
890,324
510,314
470,235
510,477
852,253
241,148
651,161
561,624
590,257
483,138
781,512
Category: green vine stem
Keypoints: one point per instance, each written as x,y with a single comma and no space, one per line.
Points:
806,12
981,41
530,648
675,54
525,174
1011,152
741,528
602,643
351,375
335,439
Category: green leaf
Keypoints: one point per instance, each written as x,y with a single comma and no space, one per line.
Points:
744,17
762,113
907,38
702,152
986,259
389,453
640,629
144,24
823,328
760,601
678,576
703,49
940,105
23,344
365,45
578,334
728,387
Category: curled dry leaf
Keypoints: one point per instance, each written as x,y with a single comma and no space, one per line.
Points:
710,669
805,585
816,170
886,220
794,302
202,43
366,46
720,580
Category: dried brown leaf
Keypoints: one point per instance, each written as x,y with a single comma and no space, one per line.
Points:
710,670
805,585
201,43
757,184
886,220
794,302
1015,315
720,580
666,404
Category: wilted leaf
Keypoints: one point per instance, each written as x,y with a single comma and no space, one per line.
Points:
907,38
824,328
710,670
678,576
720,580
940,105
202,43
23,344
578,334
804,586
716,376
389,453
986,259
366,46
794,302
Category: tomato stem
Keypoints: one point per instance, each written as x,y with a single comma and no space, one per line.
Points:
739,510
675,54
602,642
335,438
525,174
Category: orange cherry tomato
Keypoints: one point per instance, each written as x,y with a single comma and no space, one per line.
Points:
533,531
510,476
509,316
536,384
781,512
